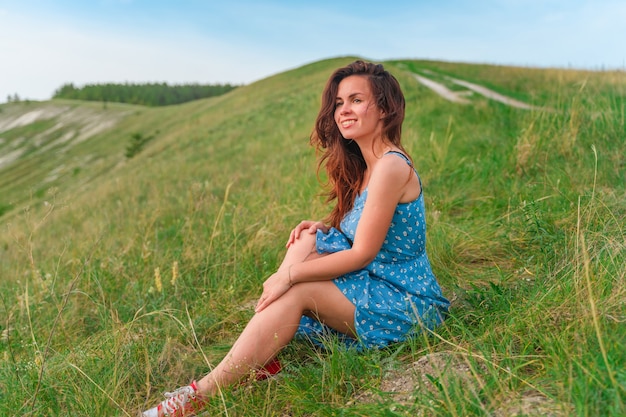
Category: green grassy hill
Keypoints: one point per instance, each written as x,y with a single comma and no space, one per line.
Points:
134,239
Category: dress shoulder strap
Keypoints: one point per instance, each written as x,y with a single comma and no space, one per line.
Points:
408,161
403,156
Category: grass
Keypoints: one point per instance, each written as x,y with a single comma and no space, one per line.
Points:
526,215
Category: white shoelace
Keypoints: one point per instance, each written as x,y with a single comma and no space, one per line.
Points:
177,399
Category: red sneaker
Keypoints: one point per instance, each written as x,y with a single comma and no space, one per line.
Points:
270,369
184,402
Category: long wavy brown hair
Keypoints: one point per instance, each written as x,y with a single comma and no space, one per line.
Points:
342,158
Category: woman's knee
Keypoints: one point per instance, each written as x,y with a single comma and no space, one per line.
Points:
306,239
302,248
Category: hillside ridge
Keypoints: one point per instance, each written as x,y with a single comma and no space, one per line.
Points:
123,273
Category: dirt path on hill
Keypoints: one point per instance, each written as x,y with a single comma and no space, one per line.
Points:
492,94
461,96
442,90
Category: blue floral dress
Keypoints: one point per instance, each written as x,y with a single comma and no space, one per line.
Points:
397,293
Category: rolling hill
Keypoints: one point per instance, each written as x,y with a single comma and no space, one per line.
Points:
134,239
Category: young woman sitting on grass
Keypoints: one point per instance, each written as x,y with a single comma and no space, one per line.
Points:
364,275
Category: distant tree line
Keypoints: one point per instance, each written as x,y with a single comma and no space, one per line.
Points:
13,98
150,94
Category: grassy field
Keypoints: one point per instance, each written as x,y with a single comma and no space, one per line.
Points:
130,252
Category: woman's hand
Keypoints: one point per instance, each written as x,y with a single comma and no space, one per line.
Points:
273,288
310,226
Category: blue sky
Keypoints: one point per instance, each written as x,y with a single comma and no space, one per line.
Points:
44,44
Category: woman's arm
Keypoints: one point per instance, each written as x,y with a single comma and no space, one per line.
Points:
387,185
386,188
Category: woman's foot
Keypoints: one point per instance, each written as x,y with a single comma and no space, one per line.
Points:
184,402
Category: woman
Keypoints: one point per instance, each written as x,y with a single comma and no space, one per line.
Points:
365,275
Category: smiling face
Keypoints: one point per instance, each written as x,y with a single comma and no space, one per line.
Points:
356,113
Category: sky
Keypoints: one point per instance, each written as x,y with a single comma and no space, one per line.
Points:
47,43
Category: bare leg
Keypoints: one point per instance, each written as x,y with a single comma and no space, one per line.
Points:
273,328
